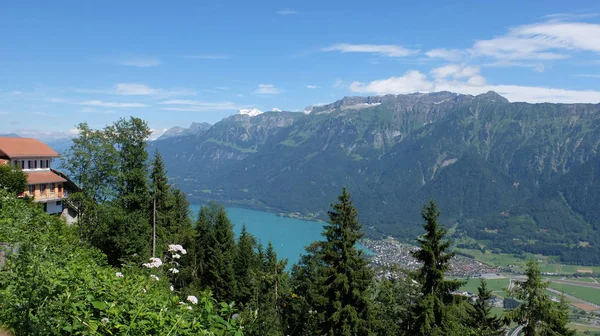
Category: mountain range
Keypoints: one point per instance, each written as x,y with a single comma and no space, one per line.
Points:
512,177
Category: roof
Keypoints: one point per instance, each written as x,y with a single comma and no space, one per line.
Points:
25,147
44,177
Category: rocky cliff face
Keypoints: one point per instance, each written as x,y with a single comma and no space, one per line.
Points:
478,156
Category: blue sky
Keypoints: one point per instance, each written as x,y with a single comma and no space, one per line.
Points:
175,62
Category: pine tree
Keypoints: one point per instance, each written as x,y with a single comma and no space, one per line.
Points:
244,261
219,274
273,284
430,316
483,321
161,202
538,314
346,276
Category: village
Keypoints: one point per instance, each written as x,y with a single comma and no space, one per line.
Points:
391,253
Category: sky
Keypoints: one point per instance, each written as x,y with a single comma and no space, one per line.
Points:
172,63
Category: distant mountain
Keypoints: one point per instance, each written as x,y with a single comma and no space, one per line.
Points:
253,112
194,129
10,135
513,176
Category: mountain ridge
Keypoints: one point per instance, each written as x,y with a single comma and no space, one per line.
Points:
479,156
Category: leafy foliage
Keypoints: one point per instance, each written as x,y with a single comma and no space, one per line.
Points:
12,179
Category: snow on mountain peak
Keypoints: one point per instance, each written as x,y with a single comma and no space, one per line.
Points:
253,112
275,109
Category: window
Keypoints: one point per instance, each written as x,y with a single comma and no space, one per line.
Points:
57,202
34,164
52,186
32,189
60,187
42,164
42,188
22,164
47,163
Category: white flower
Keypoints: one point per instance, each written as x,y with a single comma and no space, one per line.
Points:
104,320
176,256
119,275
183,251
180,302
154,263
171,288
173,270
144,290
154,277
188,307
192,299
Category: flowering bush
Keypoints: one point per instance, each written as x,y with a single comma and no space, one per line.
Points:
56,286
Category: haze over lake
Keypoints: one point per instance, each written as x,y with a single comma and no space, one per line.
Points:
289,236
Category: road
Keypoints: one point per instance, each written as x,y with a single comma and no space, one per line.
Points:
515,332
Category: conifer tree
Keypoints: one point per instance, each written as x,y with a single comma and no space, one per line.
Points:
160,205
220,276
244,262
483,321
538,314
430,316
346,276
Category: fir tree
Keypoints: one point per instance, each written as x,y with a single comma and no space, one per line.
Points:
430,316
219,274
538,314
244,262
483,321
346,276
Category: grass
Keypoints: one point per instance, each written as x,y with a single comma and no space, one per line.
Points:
580,329
589,294
497,286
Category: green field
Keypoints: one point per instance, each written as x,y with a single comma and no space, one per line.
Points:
518,263
581,329
497,286
585,293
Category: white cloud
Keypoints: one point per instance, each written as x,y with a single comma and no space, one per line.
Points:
46,135
110,104
312,87
198,106
539,68
286,12
551,40
455,71
388,50
415,81
339,84
138,61
267,89
94,110
412,81
447,54
137,89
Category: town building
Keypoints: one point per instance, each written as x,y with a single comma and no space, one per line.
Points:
44,184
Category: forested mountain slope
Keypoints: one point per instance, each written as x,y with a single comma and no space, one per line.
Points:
515,176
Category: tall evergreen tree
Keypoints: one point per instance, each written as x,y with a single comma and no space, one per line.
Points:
161,204
538,313
244,262
219,273
484,322
346,276
430,316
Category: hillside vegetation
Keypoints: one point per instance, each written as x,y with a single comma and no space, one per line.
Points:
516,177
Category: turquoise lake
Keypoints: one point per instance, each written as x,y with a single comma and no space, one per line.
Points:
289,236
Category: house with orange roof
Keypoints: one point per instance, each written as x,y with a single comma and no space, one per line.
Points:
34,157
